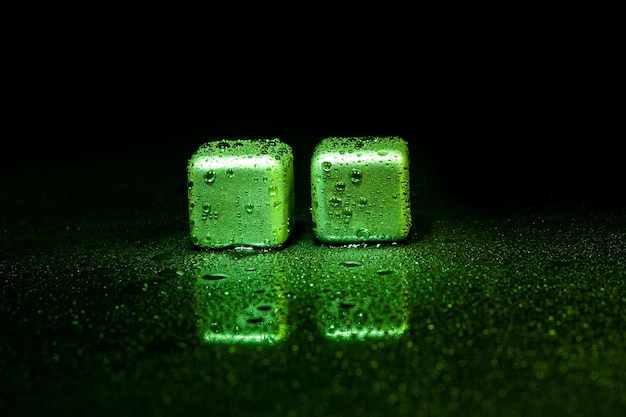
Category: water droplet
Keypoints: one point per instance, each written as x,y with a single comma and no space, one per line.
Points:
206,208
355,177
230,172
384,272
362,201
223,145
209,176
347,211
340,186
335,201
362,233
249,207
326,166
214,277
351,263
273,190
255,320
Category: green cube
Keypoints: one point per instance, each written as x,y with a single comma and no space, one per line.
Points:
241,193
360,189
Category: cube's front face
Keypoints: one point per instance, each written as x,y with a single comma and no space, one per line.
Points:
241,193
360,190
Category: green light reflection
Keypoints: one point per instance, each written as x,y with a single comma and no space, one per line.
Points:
364,295
242,301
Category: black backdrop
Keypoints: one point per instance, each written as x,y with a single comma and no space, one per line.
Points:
507,110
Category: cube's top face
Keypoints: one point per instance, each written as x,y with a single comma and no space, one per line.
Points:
241,193
360,189
245,153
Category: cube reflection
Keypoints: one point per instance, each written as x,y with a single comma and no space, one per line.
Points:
242,300
363,295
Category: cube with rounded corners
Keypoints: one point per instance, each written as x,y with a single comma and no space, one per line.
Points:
360,189
241,193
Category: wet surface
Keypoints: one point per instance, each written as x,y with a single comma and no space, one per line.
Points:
106,308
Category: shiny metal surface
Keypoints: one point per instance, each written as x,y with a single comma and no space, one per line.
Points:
360,189
241,193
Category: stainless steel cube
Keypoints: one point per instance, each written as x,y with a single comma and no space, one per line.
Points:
241,193
360,189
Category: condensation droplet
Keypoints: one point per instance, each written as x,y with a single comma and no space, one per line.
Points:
362,201
362,233
355,177
335,201
230,173
249,207
326,166
340,186
351,264
206,208
273,190
209,176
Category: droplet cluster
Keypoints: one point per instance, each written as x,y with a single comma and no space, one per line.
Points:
360,189
241,192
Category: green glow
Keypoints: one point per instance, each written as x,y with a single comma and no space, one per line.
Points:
363,296
241,193
242,301
360,189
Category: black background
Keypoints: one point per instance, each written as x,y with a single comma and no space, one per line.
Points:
510,109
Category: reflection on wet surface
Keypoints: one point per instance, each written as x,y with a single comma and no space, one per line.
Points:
362,295
242,300
357,293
